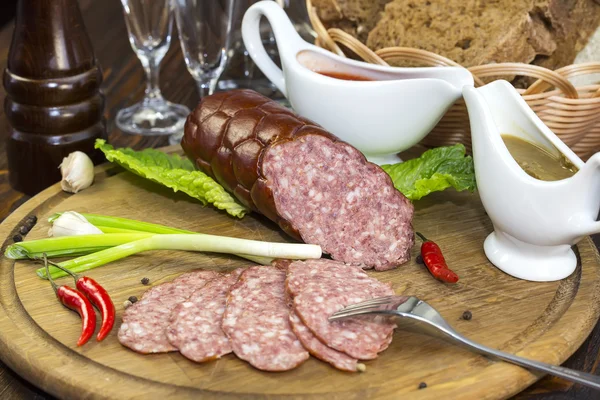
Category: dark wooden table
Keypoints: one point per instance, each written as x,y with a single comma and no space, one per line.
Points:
123,85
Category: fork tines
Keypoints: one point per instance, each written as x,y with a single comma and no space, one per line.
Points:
368,303
371,304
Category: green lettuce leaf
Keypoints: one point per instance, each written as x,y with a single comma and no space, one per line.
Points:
436,170
173,172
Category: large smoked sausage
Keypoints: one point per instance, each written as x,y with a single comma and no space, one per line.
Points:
314,186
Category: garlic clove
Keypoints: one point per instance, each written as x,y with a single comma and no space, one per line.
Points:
77,171
72,223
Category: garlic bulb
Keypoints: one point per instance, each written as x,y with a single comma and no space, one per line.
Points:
77,172
71,223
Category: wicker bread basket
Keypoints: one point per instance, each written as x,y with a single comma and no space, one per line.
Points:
572,113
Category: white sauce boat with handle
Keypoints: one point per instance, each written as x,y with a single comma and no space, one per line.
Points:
535,222
381,117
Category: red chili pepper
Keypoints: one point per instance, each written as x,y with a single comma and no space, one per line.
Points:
99,297
435,262
76,301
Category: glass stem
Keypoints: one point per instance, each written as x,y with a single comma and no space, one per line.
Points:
152,68
207,86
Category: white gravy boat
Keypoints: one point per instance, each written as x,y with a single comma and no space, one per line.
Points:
381,117
535,222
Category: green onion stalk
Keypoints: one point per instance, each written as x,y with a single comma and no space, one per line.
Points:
116,224
189,242
108,224
123,237
65,246
73,246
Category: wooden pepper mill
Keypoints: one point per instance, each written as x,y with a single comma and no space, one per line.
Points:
53,102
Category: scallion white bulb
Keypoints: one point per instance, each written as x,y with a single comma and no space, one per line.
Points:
72,223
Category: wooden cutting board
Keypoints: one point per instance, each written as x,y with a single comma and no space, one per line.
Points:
542,321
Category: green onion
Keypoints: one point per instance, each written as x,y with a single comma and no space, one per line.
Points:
124,223
106,229
70,245
189,242
109,224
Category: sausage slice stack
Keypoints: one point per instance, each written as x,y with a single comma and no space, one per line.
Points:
273,317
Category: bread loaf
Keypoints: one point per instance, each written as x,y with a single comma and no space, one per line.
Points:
357,17
472,32
583,20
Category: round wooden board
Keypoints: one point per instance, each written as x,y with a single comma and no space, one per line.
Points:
542,321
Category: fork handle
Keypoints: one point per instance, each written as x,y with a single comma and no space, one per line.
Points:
583,378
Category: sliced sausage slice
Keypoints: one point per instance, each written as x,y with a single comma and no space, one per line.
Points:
256,320
300,274
339,360
195,324
317,294
145,322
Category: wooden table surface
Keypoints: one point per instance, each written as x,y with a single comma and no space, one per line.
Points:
123,85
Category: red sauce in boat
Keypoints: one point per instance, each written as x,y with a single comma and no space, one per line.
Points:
344,76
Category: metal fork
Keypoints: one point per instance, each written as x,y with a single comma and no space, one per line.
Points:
421,317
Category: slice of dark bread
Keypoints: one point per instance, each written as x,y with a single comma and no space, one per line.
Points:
574,32
328,10
357,17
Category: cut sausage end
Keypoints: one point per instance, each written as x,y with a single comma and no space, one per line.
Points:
340,201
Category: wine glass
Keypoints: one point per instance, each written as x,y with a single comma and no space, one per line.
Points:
149,25
205,28
241,71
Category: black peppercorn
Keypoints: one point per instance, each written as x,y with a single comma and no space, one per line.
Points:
24,230
419,259
145,281
30,222
422,385
467,315
17,238
132,299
